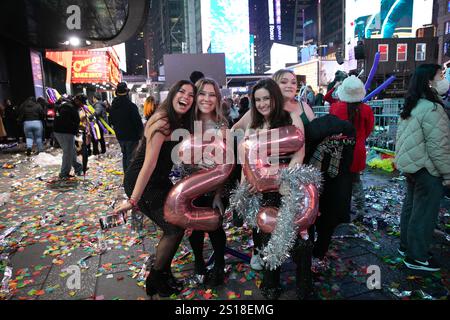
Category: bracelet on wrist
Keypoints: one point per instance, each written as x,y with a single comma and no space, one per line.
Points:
133,203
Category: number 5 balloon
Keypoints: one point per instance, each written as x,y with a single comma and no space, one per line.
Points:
257,148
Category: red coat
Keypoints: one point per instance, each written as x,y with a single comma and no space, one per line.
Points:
363,125
329,98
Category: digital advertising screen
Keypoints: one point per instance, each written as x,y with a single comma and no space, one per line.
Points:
370,19
227,31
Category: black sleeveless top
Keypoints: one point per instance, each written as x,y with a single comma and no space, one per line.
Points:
160,176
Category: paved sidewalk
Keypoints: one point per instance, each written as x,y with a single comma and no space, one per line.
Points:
57,232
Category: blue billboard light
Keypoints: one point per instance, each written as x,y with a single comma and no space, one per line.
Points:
230,34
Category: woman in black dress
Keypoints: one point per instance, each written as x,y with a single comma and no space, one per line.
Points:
147,181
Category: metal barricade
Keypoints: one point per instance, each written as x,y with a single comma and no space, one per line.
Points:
386,113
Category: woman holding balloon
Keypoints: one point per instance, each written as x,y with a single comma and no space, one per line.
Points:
210,116
287,82
267,113
147,181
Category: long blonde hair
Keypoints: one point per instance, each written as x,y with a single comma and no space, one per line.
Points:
220,116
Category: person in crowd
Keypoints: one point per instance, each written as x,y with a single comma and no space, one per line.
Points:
11,126
227,105
244,104
319,98
287,81
100,113
209,112
83,144
331,96
47,123
329,147
147,182
234,110
66,125
351,92
422,153
3,134
31,114
150,107
267,112
310,95
195,76
127,123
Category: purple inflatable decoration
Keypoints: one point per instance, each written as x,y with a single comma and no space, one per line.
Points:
94,134
102,127
372,72
379,89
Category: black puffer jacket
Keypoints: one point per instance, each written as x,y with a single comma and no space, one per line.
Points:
126,120
67,119
30,110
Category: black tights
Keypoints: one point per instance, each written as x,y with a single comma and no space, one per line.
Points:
218,241
167,247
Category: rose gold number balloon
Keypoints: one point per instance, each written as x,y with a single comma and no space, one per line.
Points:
257,149
178,208
308,216
265,177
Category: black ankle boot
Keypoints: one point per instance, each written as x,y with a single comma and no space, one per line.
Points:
271,293
173,282
270,286
28,152
215,277
157,282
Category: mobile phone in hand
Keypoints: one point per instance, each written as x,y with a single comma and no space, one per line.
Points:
113,220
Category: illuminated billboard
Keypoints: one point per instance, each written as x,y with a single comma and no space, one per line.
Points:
88,66
383,19
282,54
227,30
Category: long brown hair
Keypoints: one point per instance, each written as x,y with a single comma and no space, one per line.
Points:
278,116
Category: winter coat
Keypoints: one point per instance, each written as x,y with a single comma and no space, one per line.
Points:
364,122
126,120
67,119
30,111
100,110
336,193
423,140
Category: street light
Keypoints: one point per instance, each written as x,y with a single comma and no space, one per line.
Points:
148,68
74,41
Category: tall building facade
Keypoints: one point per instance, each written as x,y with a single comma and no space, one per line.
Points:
324,25
331,27
135,53
442,21
175,28
278,21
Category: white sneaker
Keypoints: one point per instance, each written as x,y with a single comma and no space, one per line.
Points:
256,262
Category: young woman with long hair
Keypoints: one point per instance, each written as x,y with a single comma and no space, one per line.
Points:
147,181
209,112
267,113
422,153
